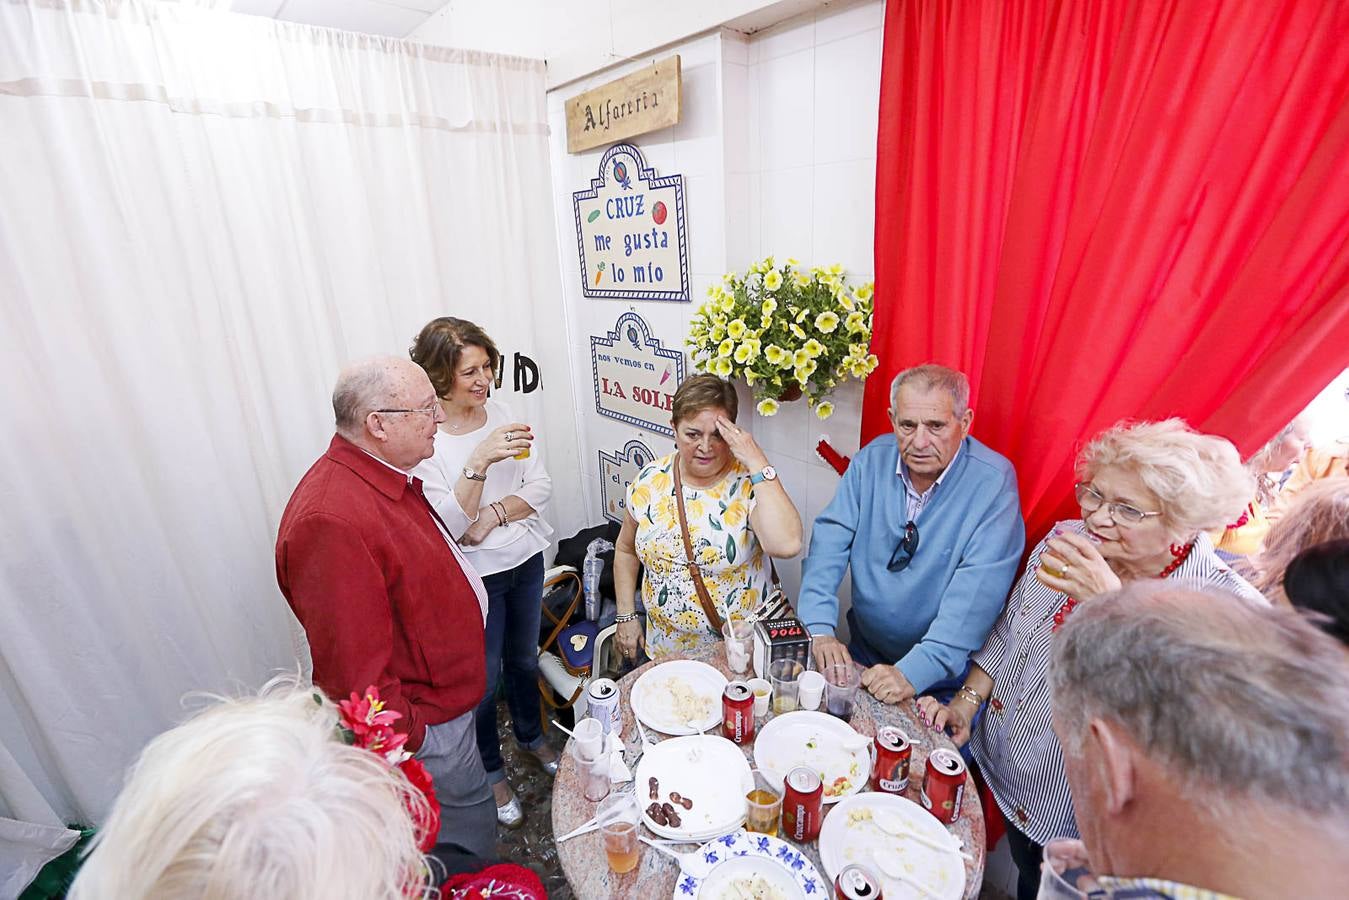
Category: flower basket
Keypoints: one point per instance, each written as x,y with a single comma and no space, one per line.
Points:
789,332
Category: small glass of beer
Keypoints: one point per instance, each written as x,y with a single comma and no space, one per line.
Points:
765,807
618,816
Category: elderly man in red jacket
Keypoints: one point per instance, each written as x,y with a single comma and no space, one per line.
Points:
383,593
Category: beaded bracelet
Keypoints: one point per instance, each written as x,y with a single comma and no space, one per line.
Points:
500,509
970,694
625,617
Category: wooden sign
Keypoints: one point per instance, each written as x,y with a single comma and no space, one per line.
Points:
647,100
617,471
635,377
630,231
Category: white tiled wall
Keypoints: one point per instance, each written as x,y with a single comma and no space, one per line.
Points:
777,146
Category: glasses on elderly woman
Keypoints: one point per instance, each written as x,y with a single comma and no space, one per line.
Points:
908,546
1091,500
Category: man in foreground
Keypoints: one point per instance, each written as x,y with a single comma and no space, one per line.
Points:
382,591
1207,745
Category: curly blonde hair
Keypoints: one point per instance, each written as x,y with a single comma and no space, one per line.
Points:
1319,514
1198,478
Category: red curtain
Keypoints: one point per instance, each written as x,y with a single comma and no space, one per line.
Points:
1113,210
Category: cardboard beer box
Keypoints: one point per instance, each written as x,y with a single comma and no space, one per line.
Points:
780,635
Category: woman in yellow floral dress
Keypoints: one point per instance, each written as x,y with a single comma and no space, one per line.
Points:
738,515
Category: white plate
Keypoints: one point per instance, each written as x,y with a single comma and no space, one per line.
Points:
848,836
652,701
744,853
710,771
814,740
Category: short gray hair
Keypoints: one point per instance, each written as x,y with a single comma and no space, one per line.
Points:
1198,478
1240,700
259,797
931,376
361,387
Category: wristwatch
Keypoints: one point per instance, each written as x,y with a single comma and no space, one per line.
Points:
472,475
767,473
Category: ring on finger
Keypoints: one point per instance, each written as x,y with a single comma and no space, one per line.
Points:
510,436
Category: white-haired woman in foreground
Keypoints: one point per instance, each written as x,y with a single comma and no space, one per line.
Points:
258,799
1149,493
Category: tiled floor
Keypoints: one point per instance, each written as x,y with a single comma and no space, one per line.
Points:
532,845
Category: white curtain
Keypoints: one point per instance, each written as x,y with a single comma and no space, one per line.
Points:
202,217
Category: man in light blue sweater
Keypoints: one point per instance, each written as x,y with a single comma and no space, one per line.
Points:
929,522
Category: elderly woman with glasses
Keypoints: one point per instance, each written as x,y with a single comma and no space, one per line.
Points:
1149,493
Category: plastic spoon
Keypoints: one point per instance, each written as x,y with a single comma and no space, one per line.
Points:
891,824
892,868
691,864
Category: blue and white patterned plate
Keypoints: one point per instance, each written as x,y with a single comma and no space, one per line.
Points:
773,852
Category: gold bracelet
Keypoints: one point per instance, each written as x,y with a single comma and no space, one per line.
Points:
971,694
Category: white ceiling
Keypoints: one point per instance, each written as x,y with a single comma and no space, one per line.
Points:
395,18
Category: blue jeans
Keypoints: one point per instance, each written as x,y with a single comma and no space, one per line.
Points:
514,601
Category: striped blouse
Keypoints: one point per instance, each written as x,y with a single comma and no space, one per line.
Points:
1014,742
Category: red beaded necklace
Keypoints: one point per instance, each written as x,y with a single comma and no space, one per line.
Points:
1180,553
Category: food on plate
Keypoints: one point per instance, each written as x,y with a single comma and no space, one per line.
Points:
671,817
657,814
841,784
686,704
653,787
753,887
686,802
859,815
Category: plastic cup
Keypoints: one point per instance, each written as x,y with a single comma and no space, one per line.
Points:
593,766
589,732
763,693
764,806
739,637
785,676
1066,873
841,681
810,690
618,817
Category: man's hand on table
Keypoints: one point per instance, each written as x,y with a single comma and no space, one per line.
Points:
830,650
887,684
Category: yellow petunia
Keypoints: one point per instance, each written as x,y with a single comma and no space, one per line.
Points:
803,373
813,348
801,316
797,330
836,269
726,348
765,321
769,307
856,322
721,367
727,303
767,407
824,409
750,378
801,278
865,292
743,353
775,354
736,328
800,358
827,322
772,280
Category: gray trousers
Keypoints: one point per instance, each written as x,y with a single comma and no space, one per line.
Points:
468,813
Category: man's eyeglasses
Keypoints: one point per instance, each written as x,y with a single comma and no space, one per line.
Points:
903,555
1091,500
425,410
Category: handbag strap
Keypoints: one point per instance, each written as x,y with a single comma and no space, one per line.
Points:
704,598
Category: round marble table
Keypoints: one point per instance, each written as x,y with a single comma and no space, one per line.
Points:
583,860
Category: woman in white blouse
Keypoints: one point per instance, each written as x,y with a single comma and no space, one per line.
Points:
488,483
1149,494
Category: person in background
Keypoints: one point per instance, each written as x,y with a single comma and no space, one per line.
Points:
1207,744
928,521
488,482
738,515
1149,493
385,596
1320,513
1317,582
258,799
1270,464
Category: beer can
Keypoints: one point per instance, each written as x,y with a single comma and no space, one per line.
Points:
737,713
602,696
857,883
802,804
891,755
944,784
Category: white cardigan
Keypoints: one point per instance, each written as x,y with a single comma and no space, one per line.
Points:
503,548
